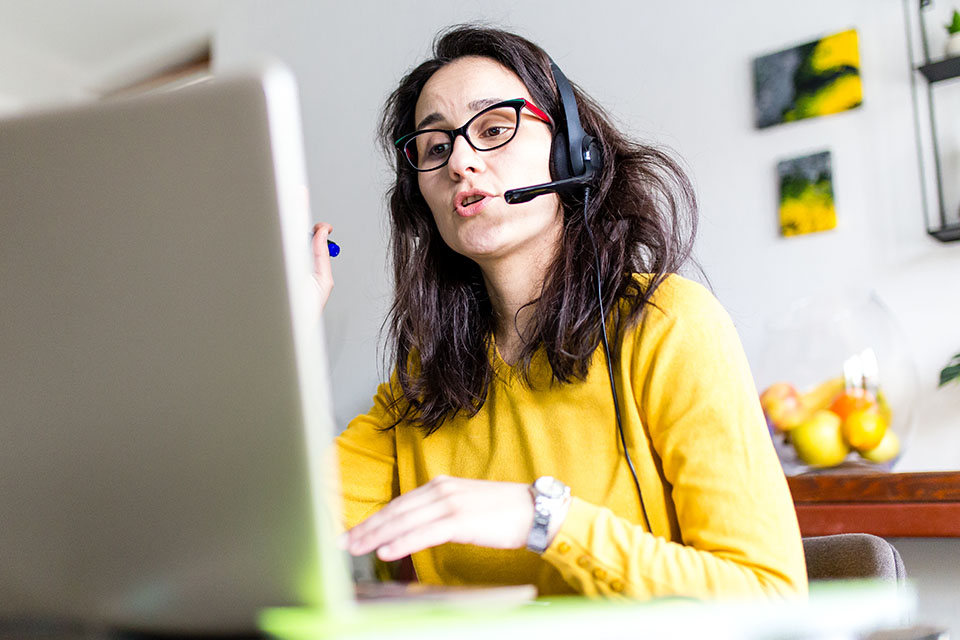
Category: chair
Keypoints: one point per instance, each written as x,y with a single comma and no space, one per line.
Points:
852,555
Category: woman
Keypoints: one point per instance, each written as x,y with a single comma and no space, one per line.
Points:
501,377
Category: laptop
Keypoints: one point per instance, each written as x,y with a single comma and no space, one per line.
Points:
163,387
165,415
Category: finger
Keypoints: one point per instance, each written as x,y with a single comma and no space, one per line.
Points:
323,226
432,493
432,534
322,271
409,524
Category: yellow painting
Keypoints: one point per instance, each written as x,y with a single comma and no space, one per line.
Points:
813,79
806,195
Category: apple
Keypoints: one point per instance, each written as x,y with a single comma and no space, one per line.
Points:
782,406
819,441
888,449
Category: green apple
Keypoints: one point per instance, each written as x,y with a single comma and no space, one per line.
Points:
819,439
888,449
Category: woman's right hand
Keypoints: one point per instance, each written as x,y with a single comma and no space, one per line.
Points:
322,273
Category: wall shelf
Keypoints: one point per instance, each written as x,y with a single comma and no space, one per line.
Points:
948,233
942,70
940,225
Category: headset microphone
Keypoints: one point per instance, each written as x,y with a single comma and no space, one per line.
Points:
526,194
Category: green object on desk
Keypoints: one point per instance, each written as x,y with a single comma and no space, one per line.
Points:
833,608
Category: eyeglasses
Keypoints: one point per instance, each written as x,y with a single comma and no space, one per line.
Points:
495,126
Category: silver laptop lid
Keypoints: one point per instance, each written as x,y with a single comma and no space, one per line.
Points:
162,382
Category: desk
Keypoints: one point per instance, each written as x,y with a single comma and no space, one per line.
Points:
834,610
890,505
860,610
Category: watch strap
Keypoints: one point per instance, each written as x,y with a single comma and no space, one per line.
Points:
549,495
537,539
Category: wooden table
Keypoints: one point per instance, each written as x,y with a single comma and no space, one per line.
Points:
891,505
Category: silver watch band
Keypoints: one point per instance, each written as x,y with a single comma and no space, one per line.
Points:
549,494
537,539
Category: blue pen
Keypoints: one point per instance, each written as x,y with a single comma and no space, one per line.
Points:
332,247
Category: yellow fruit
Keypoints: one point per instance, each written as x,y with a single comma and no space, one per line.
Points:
864,429
819,441
822,395
888,449
884,407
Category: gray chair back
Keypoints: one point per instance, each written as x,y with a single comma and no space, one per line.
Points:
852,555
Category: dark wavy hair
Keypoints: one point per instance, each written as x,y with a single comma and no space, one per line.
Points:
642,211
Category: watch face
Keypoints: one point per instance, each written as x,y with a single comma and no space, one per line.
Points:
549,486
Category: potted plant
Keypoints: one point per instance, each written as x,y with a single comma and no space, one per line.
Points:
953,37
951,371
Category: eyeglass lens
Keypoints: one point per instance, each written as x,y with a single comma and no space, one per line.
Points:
487,130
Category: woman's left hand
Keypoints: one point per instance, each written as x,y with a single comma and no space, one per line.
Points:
322,272
479,512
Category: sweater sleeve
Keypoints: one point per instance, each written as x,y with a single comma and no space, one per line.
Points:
738,532
367,459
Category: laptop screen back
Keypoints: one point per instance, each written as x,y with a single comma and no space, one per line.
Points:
163,388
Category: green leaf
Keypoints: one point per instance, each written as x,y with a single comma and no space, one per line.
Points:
951,371
954,26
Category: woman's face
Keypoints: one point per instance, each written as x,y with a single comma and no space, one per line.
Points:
489,229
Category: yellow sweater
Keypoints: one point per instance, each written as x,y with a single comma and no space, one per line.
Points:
722,517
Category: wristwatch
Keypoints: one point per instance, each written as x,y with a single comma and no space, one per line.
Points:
549,494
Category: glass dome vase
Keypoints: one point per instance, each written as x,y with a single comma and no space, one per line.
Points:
838,384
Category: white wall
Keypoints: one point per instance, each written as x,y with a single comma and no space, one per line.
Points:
59,51
674,73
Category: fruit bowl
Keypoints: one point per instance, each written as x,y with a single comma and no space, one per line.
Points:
837,384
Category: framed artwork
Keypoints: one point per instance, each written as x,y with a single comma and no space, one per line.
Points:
806,195
813,79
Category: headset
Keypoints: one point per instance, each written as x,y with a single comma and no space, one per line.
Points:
575,160
575,157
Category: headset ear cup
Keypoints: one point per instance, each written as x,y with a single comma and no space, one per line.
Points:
559,158
595,162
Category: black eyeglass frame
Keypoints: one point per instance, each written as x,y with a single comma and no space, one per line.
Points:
517,103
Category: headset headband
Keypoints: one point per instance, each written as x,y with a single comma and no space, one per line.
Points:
571,117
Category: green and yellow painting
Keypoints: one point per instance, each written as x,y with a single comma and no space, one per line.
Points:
806,195
813,79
